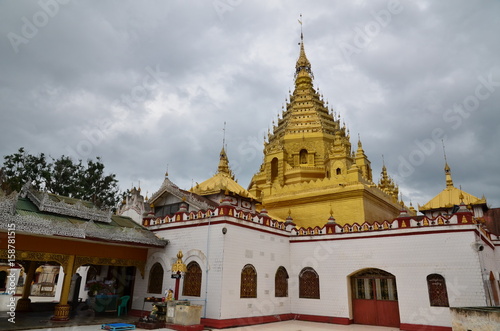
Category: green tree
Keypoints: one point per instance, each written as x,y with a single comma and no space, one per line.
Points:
20,167
62,177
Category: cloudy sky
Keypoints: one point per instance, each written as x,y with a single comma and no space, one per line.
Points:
148,85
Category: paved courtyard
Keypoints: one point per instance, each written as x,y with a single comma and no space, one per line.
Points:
41,321
278,326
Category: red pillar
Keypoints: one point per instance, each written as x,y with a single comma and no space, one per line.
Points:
177,284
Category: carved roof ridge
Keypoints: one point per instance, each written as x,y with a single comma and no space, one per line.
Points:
43,202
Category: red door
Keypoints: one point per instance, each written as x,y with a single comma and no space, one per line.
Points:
375,298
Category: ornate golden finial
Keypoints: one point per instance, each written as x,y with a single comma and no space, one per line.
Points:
461,196
289,219
184,198
447,169
303,64
223,167
331,219
412,209
179,266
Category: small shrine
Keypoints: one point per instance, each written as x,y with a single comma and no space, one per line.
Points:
168,311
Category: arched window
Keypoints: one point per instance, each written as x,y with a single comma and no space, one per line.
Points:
438,295
281,283
274,168
303,156
308,284
192,280
248,287
155,283
338,171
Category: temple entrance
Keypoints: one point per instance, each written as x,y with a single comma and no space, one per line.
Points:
375,298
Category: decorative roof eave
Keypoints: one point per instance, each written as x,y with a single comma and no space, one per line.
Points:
450,197
43,202
45,227
169,187
221,182
31,224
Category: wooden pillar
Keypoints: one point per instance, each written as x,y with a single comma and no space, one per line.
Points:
23,304
61,312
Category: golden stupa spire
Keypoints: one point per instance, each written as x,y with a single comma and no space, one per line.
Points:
447,170
223,163
223,167
303,65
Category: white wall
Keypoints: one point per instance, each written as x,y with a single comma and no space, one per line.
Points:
410,258
266,252
409,254
202,244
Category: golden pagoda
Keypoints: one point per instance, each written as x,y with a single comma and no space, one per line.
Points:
448,200
309,166
222,181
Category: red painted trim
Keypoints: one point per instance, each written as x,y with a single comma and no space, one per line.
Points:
484,239
221,324
323,319
383,235
177,327
420,327
232,322
138,313
222,222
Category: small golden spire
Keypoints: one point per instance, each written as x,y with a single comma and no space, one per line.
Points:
303,63
331,219
447,169
223,163
289,219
